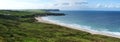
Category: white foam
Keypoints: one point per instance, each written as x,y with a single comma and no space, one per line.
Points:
84,28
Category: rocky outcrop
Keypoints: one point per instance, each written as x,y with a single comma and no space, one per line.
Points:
50,9
50,14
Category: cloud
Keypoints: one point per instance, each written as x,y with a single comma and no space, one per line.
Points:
65,3
56,4
79,3
70,4
40,4
100,5
14,4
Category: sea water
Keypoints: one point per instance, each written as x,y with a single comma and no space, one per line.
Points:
101,21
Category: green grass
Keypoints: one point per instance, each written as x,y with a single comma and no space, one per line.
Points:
14,13
28,30
35,10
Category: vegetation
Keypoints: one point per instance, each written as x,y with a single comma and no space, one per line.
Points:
20,26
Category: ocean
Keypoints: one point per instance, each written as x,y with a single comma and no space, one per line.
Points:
97,21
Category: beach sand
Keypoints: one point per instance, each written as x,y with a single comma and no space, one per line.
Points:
40,19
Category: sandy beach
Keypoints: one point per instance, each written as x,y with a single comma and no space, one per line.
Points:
41,19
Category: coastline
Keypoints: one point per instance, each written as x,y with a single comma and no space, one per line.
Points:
41,19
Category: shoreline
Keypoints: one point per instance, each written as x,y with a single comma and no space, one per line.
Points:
40,19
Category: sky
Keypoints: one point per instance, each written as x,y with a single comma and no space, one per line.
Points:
61,4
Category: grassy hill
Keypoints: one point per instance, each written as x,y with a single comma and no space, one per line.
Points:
16,28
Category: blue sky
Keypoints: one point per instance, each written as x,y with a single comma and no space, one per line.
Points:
61,4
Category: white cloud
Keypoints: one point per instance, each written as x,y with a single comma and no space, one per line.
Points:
71,4
14,4
55,4
30,4
99,5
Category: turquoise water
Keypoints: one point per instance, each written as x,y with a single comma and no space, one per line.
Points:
108,21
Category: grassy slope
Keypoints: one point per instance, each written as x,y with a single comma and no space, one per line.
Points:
28,30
